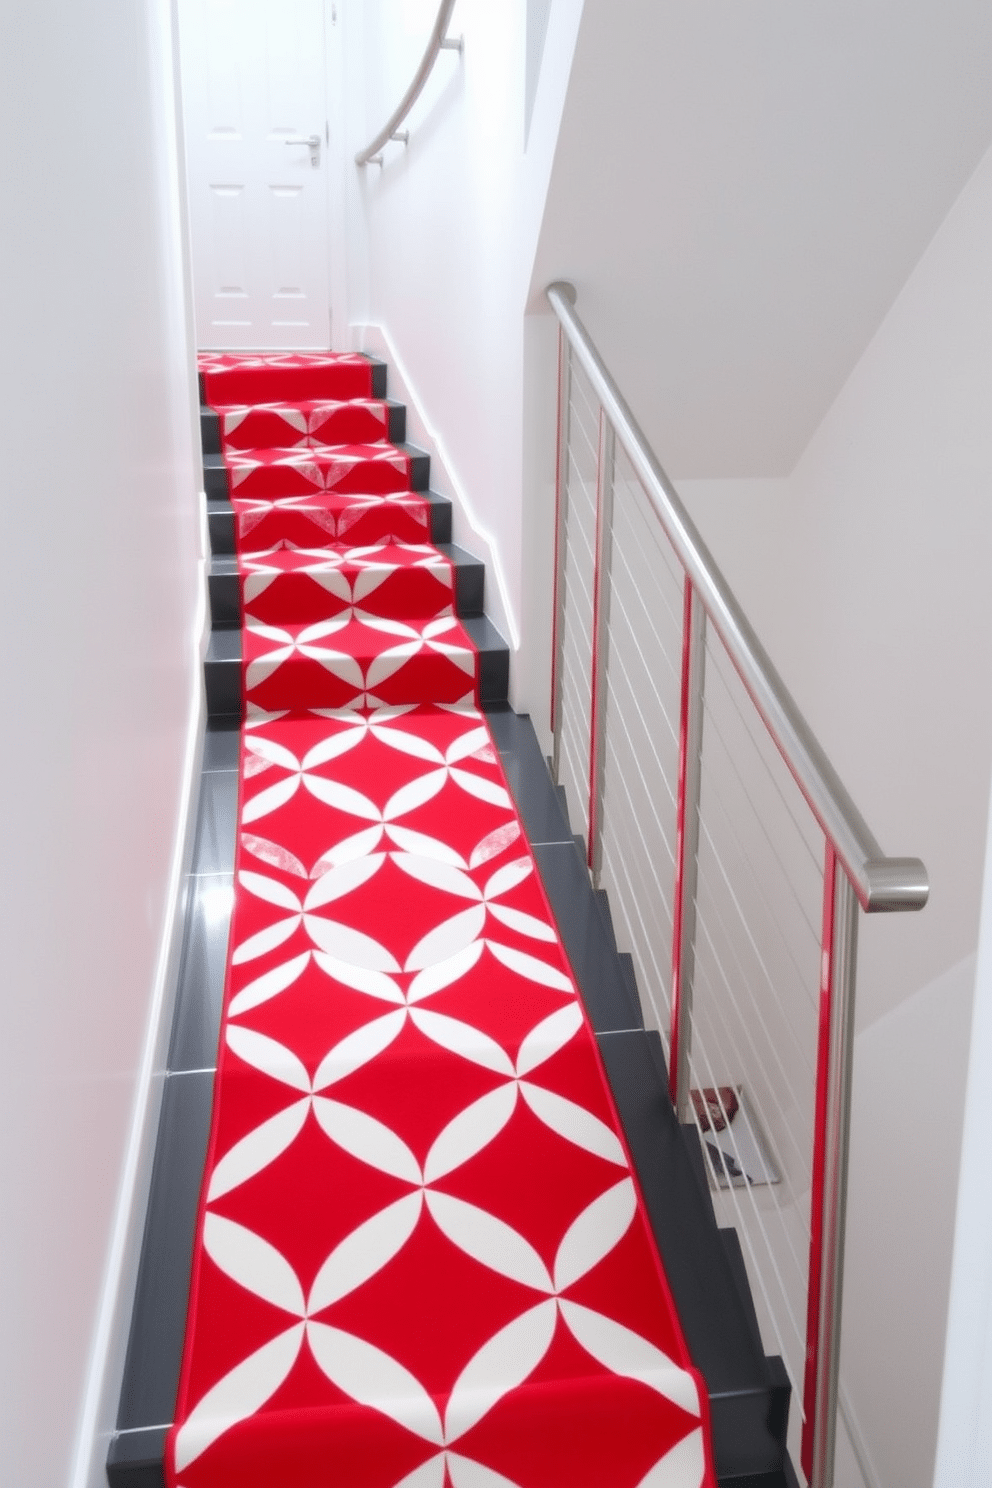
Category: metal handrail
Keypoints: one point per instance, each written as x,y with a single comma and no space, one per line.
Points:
438,43
880,882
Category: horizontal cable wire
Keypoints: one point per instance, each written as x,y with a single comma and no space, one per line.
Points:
803,978
642,512
637,819
756,1270
718,1011
704,830
768,770
800,1053
619,600
581,385
803,983
650,683
580,389
672,610
787,875
648,794
586,473
646,981
674,614
733,1194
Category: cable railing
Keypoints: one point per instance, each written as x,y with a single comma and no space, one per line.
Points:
439,42
735,862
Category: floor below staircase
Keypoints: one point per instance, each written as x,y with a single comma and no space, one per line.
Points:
749,1394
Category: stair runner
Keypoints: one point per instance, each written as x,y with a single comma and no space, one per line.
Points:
422,1259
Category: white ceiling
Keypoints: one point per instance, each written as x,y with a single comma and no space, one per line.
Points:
739,192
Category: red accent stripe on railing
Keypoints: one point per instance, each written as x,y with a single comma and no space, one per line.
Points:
815,1287
556,578
676,1016
594,699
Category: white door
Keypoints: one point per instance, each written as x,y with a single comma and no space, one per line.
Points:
255,119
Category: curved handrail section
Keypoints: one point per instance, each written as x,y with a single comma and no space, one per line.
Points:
438,43
880,882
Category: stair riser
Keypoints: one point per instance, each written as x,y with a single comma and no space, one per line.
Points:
374,477
225,597
426,678
220,520
346,425
746,1429
333,383
223,676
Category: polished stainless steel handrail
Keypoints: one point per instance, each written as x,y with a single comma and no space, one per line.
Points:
880,882
438,43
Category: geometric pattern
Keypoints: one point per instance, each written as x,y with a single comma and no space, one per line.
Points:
422,1259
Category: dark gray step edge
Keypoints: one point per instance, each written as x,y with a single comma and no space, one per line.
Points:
749,1394
224,586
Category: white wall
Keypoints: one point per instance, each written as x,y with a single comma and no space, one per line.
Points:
866,575
449,226
99,608
964,1448
740,191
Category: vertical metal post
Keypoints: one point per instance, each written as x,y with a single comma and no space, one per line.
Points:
561,543
831,1143
687,844
600,641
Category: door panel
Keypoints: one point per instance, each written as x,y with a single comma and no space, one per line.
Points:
254,84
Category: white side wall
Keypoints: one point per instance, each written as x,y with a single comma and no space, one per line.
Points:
450,224
740,192
866,575
964,1448
100,614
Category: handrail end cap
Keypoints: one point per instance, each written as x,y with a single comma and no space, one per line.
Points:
564,288
895,885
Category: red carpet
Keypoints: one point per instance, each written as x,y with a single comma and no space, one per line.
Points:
422,1260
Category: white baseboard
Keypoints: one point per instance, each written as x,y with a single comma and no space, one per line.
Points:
467,530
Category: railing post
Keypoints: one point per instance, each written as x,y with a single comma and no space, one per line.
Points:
686,844
831,1140
602,576
561,540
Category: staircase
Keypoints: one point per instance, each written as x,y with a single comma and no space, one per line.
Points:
748,1394
223,661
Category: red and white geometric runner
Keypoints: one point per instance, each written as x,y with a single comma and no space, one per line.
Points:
422,1260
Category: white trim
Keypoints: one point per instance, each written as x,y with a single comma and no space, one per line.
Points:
444,474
